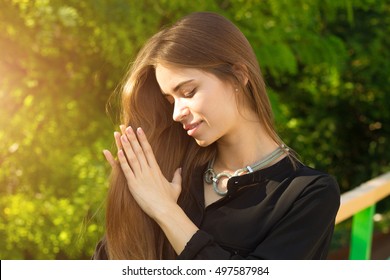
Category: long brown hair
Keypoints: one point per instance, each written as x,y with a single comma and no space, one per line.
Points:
202,40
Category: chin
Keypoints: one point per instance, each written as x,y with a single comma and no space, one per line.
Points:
202,143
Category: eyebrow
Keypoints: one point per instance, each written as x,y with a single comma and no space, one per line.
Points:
179,85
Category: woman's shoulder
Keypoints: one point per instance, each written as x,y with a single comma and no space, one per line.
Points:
306,191
294,176
315,175
315,182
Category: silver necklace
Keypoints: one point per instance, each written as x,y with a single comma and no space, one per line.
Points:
211,178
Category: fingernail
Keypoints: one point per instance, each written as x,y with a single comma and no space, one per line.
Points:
139,131
129,129
124,138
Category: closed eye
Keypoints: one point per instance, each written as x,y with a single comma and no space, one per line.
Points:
190,94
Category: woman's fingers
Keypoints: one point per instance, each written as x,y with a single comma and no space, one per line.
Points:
118,143
136,147
130,154
117,137
136,150
109,158
107,154
122,127
125,166
148,152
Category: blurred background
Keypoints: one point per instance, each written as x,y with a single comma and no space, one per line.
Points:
326,64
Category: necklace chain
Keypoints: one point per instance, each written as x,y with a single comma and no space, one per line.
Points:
210,177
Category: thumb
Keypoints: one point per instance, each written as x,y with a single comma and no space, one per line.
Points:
177,177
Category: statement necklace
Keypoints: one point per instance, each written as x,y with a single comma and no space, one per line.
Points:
211,178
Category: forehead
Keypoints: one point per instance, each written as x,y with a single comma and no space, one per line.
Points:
168,76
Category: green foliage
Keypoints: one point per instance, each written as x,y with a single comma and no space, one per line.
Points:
326,64
47,227
337,115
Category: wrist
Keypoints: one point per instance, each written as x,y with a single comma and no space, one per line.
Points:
176,225
166,213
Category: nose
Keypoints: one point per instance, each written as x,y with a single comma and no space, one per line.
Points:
180,110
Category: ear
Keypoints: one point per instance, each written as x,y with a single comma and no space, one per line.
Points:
241,72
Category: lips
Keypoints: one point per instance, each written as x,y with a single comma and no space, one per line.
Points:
191,127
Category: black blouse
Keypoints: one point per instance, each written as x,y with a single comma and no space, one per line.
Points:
280,212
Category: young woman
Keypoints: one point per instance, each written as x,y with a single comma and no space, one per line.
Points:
200,171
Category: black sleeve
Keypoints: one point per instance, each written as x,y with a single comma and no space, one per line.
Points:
304,232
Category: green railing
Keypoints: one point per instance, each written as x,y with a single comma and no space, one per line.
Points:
359,204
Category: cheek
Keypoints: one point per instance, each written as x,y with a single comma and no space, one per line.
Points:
215,102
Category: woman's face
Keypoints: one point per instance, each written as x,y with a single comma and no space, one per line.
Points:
205,105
